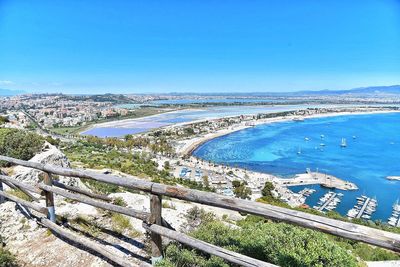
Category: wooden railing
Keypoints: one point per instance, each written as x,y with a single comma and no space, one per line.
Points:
158,227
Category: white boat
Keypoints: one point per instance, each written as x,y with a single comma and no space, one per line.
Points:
343,143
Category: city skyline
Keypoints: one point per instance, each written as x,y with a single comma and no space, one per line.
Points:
142,47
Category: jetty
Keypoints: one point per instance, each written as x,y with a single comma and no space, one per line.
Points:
361,212
394,220
363,209
311,178
330,199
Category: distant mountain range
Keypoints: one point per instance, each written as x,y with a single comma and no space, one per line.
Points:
373,90
7,92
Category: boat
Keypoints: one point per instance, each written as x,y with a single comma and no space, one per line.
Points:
306,139
299,151
322,144
354,137
322,136
343,143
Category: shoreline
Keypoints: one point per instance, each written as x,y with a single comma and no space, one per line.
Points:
189,148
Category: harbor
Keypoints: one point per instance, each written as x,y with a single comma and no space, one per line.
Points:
323,179
394,220
364,208
329,201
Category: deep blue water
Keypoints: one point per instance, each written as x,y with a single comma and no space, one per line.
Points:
367,160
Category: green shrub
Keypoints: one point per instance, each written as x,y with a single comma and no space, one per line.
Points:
278,243
19,144
7,259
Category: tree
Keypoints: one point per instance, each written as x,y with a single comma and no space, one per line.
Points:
241,190
206,181
266,191
19,144
167,165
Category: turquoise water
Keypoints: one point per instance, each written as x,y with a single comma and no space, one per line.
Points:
367,160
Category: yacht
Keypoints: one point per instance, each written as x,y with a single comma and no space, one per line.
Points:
343,143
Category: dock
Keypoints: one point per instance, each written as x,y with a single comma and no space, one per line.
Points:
327,202
325,180
361,212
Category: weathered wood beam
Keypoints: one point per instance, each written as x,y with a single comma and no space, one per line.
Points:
86,243
155,238
81,191
339,228
99,204
20,185
24,203
225,254
129,181
331,226
49,198
2,199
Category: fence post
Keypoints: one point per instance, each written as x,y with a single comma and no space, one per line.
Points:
2,199
156,241
49,198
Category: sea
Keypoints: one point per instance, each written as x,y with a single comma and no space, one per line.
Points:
288,148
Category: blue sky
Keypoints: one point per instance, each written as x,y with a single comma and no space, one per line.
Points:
198,46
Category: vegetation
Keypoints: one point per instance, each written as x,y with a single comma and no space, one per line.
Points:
120,223
6,258
18,193
278,243
3,120
241,190
19,144
97,155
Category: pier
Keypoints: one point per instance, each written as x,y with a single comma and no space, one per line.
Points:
360,213
327,202
322,179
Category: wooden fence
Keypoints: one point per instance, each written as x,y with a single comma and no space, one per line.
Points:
158,227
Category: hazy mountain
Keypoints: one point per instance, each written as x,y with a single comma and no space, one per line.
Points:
7,92
373,90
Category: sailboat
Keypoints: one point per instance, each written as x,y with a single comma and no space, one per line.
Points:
343,143
299,151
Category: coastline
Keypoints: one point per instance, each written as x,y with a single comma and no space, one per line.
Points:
192,144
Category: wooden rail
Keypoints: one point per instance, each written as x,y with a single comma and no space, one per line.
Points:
154,223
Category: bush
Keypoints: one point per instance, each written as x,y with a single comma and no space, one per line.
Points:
7,259
277,243
19,144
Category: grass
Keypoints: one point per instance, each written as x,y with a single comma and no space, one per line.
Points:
7,259
18,193
90,227
168,205
120,223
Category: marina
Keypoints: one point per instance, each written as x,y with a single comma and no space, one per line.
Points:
287,149
394,220
329,201
363,209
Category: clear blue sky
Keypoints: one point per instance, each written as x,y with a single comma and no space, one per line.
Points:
198,46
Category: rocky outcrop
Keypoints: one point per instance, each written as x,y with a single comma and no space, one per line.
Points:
49,155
